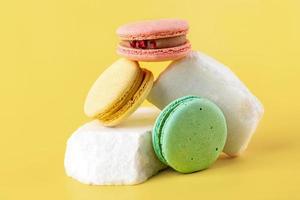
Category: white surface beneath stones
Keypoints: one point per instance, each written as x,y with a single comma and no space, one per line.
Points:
201,75
100,155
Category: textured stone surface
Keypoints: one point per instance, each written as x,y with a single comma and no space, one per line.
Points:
100,155
201,75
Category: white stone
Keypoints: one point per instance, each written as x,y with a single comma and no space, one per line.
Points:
122,155
201,75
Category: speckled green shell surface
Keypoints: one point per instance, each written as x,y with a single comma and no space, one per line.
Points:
189,134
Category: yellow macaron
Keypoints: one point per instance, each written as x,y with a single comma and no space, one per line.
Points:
118,92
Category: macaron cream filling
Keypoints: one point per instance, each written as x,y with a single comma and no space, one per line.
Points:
155,43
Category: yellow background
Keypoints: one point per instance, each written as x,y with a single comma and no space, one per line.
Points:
51,51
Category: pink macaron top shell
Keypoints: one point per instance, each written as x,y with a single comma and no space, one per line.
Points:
153,29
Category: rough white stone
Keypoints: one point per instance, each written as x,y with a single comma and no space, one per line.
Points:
101,155
201,75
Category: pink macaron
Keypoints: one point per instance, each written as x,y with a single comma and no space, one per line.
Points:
154,40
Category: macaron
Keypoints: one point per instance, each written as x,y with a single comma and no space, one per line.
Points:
189,134
154,40
118,92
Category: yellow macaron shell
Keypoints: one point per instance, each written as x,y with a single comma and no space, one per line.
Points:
131,105
111,87
118,91
124,99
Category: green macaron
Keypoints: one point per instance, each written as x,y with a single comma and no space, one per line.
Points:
189,134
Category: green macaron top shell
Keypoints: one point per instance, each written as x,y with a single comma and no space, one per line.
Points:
189,134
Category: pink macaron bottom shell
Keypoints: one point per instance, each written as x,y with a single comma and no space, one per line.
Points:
155,55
